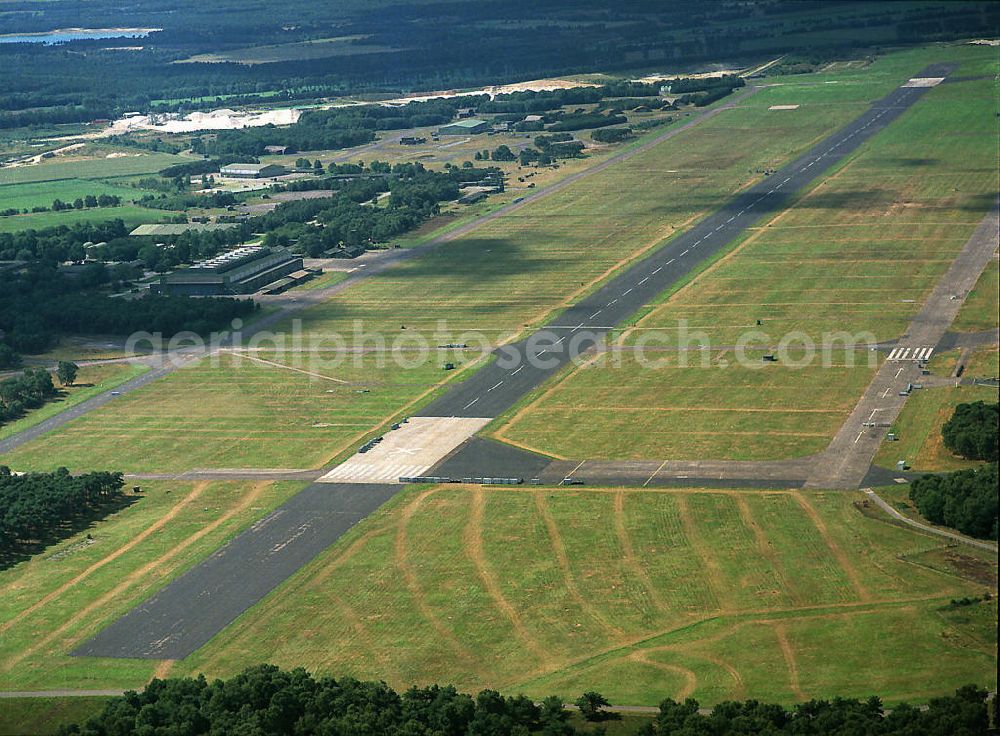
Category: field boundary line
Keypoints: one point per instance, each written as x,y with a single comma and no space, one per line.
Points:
621,530
247,356
842,559
789,655
417,593
690,678
764,546
559,549
473,543
713,571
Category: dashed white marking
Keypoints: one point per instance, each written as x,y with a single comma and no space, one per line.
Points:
595,314
685,253
627,291
669,262
496,385
519,369
658,269
471,403
644,280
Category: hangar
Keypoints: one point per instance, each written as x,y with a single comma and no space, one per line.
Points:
465,127
241,271
251,171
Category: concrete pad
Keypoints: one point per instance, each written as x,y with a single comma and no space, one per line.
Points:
783,107
412,450
924,82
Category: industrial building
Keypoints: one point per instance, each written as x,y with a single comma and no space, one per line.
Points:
465,127
251,171
244,270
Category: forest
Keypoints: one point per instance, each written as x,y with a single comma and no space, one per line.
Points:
965,500
477,42
46,506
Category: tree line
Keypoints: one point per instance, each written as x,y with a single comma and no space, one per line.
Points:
39,506
20,394
269,701
88,202
965,500
41,304
86,80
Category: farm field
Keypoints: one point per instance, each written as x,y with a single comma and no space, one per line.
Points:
90,381
261,412
854,257
61,597
640,595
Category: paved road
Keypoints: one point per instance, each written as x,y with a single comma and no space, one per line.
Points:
203,601
881,503
523,366
296,300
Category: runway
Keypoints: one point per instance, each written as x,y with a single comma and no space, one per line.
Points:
523,366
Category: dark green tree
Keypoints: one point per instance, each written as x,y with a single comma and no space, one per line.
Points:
972,431
591,705
66,372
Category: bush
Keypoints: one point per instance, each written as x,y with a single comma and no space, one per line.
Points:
611,135
972,431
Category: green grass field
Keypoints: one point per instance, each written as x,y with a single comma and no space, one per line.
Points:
640,595
134,163
239,413
619,407
131,214
981,305
41,194
919,428
857,254
70,591
44,716
90,381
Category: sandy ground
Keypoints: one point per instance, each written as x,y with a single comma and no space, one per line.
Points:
224,119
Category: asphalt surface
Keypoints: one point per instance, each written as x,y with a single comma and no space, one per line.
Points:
198,605
521,367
